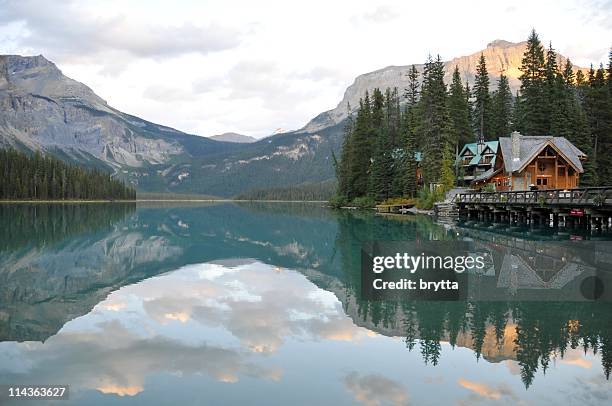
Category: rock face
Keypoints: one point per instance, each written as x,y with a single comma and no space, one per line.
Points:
41,109
233,137
501,56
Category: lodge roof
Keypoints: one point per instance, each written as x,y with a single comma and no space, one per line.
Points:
530,146
486,175
472,148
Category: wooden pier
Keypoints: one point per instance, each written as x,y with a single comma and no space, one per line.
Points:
394,208
588,207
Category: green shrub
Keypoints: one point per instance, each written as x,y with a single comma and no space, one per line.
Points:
426,198
399,200
338,201
489,187
363,202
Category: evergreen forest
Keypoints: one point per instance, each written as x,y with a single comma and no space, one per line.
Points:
392,133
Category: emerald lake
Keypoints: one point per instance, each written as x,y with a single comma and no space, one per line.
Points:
260,303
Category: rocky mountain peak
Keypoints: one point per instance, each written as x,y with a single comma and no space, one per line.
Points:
42,109
38,76
233,137
16,64
500,43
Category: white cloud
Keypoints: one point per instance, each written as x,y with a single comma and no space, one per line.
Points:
250,67
375,390
74,32
381,14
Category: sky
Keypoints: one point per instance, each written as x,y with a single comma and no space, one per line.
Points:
252,67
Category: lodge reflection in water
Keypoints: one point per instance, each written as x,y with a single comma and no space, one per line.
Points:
528,331
47,282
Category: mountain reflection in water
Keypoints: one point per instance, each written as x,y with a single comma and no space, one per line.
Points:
124,302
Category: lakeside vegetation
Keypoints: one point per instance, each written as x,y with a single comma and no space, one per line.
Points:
384,137
38,177
321,191
174,196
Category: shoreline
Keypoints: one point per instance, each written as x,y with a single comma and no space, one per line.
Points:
159,200
411,211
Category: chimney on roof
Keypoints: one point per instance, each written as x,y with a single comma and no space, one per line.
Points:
480,145
515,139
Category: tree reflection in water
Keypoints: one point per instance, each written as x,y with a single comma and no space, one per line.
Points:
532,333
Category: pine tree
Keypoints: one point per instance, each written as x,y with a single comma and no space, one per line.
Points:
447,172
598,106
393,116
533,101
360,152
470,104
436,121
517,113
394,123
411,93
458,107
569,78
553,92
610,71
410,126
502,104
409,163
572,123
580,79
342,167
377,131
382,166
482,105
377,109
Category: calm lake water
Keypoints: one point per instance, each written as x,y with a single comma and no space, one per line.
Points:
260,304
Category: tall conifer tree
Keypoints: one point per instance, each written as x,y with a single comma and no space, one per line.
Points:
598,103
410,124
436,122
343,166
533,98
458,107
482,103
360,151
502,108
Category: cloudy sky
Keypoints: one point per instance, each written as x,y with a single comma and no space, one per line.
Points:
208,67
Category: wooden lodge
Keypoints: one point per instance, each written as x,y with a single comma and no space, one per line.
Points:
535,181
476,159
531,162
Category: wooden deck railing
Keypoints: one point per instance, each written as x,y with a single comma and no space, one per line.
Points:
586,196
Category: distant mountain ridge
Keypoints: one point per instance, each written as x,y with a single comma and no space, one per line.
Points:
233,137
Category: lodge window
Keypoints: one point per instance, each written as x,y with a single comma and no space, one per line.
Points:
541,167
561,172
542,182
